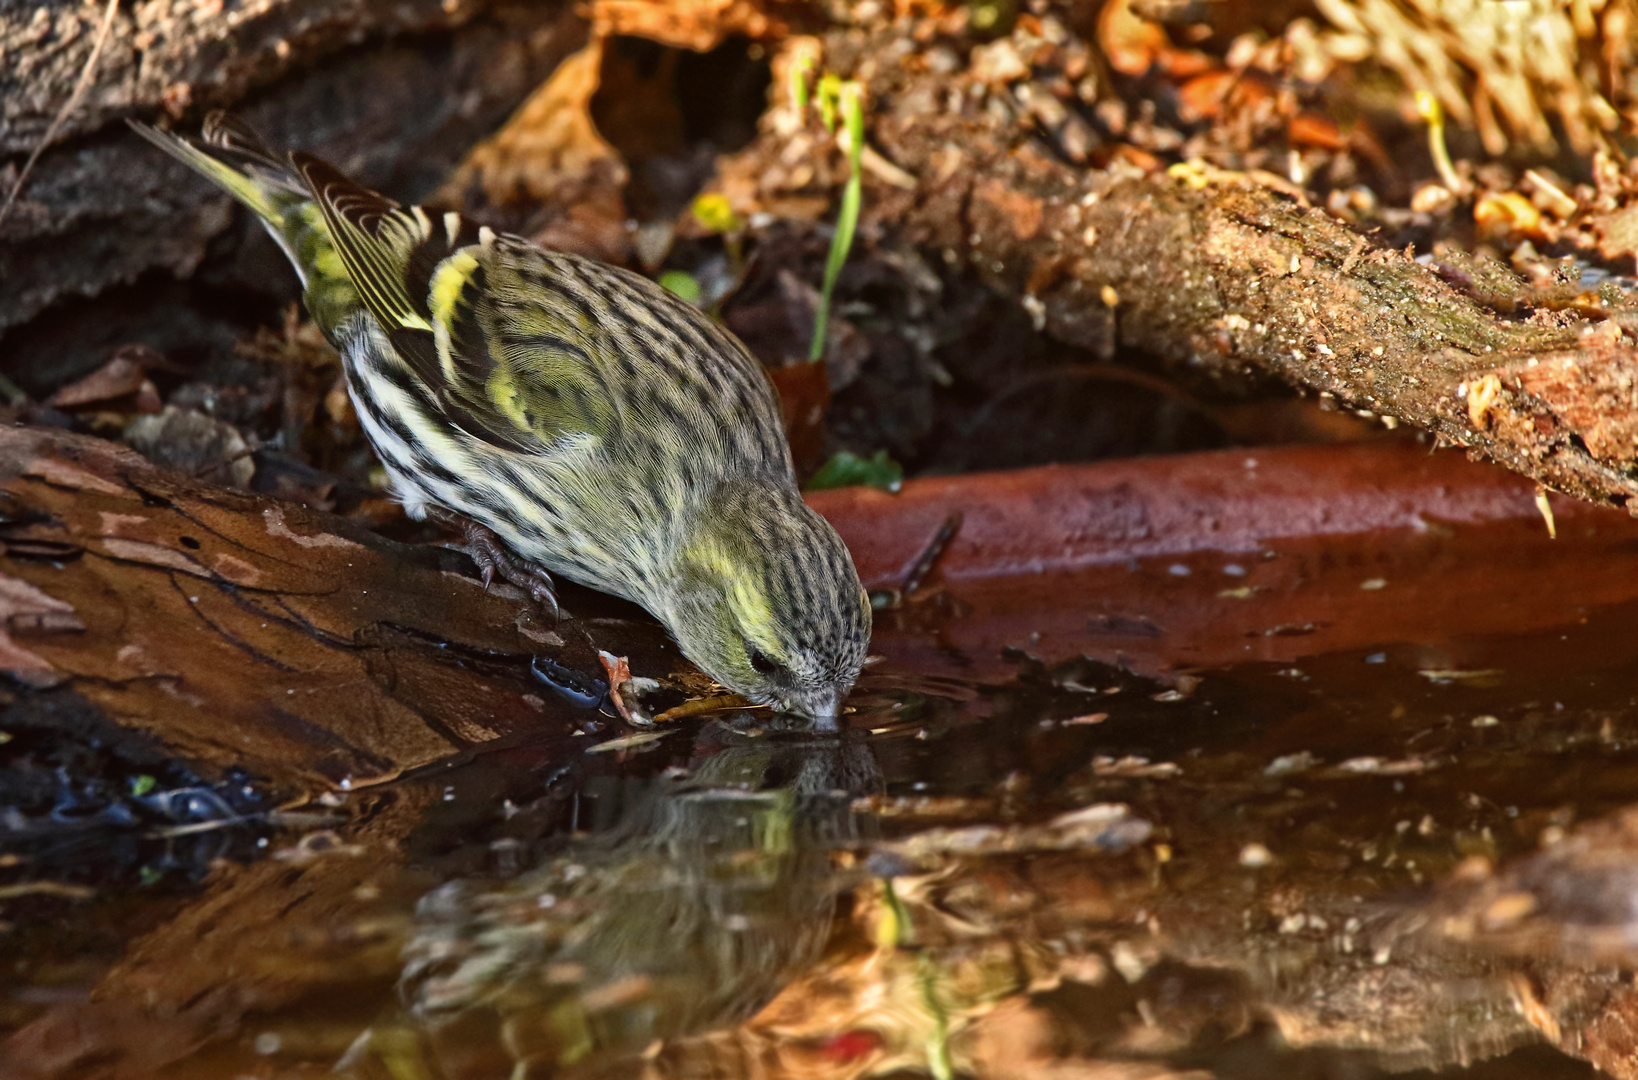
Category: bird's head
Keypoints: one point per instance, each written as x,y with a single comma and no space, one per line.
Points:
767,602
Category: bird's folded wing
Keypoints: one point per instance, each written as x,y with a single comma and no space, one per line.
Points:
497,351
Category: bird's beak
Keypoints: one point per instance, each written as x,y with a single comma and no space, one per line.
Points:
821,707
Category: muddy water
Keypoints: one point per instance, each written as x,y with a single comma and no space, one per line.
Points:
1329,807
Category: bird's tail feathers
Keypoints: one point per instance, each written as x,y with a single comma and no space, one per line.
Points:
236,160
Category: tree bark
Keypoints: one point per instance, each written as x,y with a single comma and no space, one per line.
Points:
240,631
393,92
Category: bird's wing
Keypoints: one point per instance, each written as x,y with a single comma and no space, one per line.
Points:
516,349
478,324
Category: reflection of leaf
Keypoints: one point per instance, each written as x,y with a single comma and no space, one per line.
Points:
627,742
848,469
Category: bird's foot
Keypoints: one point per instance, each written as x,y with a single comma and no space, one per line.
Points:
494,557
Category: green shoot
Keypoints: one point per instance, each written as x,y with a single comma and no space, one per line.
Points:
846,97
799,82
830,88
1428,106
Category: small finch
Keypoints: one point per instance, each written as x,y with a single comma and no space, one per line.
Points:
584,421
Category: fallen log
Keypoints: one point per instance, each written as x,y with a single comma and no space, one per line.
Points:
1207,269
238,631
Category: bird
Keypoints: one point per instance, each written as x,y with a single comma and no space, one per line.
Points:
576,418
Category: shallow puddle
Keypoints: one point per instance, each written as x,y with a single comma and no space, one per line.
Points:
1330,807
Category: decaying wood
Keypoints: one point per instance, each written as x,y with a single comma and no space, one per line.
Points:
239,631
1212,270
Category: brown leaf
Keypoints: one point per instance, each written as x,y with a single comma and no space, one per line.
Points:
624,689
550,143
1618,233
804,395
120,385
1022,212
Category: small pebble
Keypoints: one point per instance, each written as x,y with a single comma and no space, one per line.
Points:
1255,855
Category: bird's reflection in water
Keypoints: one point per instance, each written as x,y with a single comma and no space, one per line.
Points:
686,905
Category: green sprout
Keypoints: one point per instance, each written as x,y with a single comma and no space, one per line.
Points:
830,88
847,99
1428,107
143,784
799,82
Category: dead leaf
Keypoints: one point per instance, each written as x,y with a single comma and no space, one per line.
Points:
998,64
1618,233
1131,44
121,385
804,396
550,143
1022,212
625,689
699,706
1502,211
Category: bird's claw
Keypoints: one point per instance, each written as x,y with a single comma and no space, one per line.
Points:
494,557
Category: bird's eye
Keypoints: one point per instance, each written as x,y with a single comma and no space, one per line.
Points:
760,661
